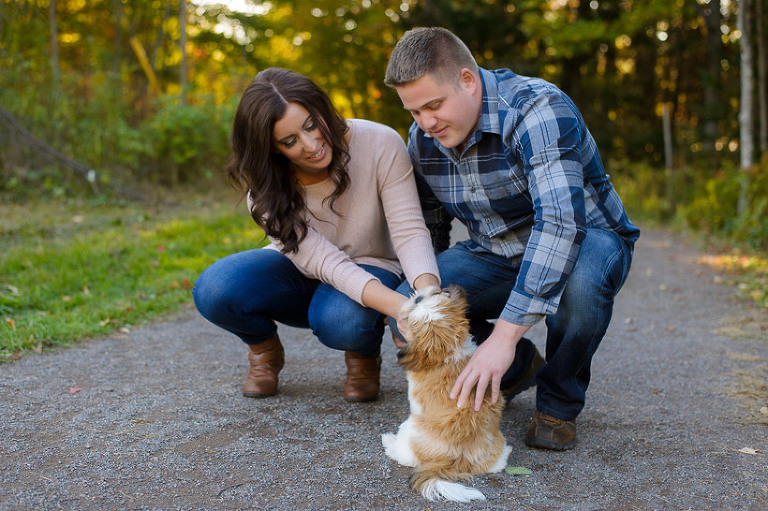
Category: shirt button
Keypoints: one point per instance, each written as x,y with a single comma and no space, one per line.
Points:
487,220
472,190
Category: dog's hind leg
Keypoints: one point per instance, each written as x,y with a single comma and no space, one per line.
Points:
398,447
501,463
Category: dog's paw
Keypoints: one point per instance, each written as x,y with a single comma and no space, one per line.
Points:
387,440
501,463
398,450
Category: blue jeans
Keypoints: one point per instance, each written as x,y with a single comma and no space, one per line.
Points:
247,292
573,332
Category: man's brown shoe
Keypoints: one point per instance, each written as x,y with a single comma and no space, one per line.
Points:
267,359
362,382
547,432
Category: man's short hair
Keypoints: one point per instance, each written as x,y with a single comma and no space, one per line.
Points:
423,50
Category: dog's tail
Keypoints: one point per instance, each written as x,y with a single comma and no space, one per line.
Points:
435,484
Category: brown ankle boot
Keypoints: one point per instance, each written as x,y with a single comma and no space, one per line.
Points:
266,358
362,383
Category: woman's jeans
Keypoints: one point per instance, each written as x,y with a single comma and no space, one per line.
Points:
247,292
573,332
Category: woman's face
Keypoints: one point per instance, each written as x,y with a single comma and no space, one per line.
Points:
298,137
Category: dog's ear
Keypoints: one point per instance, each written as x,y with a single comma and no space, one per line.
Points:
458,300
437,325
433,342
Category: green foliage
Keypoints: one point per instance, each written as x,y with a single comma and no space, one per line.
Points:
619,61
708,205
184,142
714,206
642,188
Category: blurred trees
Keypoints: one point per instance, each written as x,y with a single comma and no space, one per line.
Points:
120,86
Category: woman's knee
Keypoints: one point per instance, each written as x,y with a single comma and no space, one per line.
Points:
210,294
231,282
357,329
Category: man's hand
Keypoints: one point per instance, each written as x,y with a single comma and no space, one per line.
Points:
488,364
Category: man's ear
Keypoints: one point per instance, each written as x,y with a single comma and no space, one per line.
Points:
468,80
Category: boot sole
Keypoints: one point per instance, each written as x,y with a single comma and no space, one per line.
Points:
256,395
360,399
548,444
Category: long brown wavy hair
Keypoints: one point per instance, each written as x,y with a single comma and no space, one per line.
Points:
257,168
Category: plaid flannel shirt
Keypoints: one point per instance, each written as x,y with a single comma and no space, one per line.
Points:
527,185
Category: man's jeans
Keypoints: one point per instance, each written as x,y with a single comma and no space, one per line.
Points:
573,333
245,293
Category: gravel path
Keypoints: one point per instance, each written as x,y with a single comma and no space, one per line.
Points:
154,420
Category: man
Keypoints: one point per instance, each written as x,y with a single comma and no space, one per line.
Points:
512,159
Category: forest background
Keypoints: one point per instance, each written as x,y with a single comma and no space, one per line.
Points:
112,109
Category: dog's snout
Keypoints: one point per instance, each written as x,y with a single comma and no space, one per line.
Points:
418,299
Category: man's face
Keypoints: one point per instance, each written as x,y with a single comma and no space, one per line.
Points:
445,111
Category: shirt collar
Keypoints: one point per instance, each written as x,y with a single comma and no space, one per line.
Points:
489,114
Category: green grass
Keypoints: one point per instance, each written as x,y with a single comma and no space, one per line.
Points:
73,270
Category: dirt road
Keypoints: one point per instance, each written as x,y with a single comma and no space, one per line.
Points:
154,420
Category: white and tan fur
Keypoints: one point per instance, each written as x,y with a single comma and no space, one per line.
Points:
443,443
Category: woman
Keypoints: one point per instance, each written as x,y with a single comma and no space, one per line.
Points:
338,202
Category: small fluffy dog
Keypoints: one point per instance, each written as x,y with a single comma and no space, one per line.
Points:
444,444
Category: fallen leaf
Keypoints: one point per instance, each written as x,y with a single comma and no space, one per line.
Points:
518,471
11,323
186,284
747,450
74,390
764,410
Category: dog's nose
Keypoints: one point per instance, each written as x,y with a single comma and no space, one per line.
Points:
418,299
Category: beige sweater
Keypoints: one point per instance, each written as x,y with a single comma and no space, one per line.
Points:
379,222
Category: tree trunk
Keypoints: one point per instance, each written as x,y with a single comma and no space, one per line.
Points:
117,57
762,79
746,133
712,82
183,44
55,72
